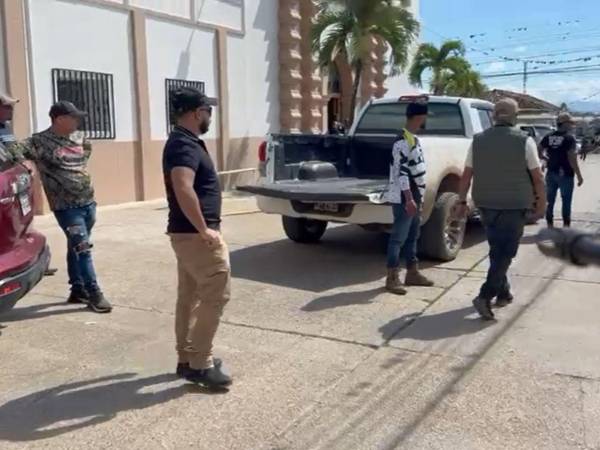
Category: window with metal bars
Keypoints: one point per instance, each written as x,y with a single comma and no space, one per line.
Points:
91,92
171,85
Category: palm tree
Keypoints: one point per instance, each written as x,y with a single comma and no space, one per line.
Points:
446,62
466,83
345,28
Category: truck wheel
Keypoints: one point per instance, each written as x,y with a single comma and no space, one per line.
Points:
305,231
442,236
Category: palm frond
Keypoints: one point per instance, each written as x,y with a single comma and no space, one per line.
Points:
425,58
452,47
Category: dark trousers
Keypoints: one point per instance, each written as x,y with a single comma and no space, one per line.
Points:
566,185
404,238
504,229
77,224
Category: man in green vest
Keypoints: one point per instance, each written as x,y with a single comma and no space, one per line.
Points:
504,166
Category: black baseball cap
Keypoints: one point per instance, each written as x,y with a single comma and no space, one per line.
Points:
64,108
417,108
188,99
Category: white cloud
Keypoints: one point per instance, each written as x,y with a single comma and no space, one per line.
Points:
496,66
553,90
520,49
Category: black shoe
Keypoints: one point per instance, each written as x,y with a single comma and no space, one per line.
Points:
484,309
504,300
78,295
98,303
215,377
184,368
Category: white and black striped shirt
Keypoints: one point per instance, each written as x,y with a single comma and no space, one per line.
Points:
408,169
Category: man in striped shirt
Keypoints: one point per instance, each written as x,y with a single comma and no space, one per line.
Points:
406,193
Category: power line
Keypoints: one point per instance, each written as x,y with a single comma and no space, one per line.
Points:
521,60
577,69
591,96
531,57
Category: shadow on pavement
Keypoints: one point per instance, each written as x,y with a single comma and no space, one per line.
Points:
346,256
40,311
434,327
342,299
81,404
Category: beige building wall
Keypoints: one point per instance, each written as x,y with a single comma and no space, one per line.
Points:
253,55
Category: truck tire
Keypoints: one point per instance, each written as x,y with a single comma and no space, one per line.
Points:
304,231
442,237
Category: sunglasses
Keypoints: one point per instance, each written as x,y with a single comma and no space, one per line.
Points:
208,109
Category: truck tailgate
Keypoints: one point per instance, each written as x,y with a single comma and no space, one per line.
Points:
342,190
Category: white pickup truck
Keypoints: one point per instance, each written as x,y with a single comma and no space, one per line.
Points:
311,180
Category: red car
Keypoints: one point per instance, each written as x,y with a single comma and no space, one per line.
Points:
24,254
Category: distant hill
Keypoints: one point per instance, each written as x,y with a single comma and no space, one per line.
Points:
585,107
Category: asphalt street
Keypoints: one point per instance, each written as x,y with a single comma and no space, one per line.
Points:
323,357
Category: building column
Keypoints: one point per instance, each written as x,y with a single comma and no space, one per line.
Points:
379,66
223,100
17,82
312,84
17,79
142,104
290,62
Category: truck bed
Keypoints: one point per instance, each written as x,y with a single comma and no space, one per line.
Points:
336,190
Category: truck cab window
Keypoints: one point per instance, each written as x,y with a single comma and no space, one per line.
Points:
485,117
389,118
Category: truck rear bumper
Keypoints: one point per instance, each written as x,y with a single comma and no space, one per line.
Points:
359,213
17,285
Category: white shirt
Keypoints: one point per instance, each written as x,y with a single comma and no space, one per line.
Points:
531,155
408,165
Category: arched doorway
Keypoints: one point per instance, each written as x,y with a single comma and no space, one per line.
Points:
334,104
339,93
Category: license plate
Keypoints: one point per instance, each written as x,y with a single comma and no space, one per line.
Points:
327,207
25,204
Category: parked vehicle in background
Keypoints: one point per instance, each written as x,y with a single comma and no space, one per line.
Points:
24,255
311,180
537,132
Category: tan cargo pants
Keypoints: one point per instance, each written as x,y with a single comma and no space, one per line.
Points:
203,291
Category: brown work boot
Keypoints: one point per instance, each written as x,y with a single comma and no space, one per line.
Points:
416,278
393,283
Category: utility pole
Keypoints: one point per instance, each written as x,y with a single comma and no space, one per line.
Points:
525,63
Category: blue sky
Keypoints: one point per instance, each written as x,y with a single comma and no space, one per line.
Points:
542,30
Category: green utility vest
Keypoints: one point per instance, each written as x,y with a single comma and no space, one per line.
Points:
501,179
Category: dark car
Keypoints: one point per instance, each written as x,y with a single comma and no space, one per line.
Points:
24,254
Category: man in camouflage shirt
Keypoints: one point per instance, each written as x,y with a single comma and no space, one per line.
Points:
61,155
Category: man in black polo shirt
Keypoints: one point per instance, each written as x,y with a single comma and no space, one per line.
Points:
194,197
559,150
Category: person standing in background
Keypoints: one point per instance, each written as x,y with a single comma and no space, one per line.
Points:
559,149
61,154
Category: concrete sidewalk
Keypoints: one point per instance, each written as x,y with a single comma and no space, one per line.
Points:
322,356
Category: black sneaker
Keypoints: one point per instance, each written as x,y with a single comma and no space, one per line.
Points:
215,377
484,309
184,368
78,295
98,303
504,300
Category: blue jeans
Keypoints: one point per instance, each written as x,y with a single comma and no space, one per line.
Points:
566,184
77,224
504,230
404,237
